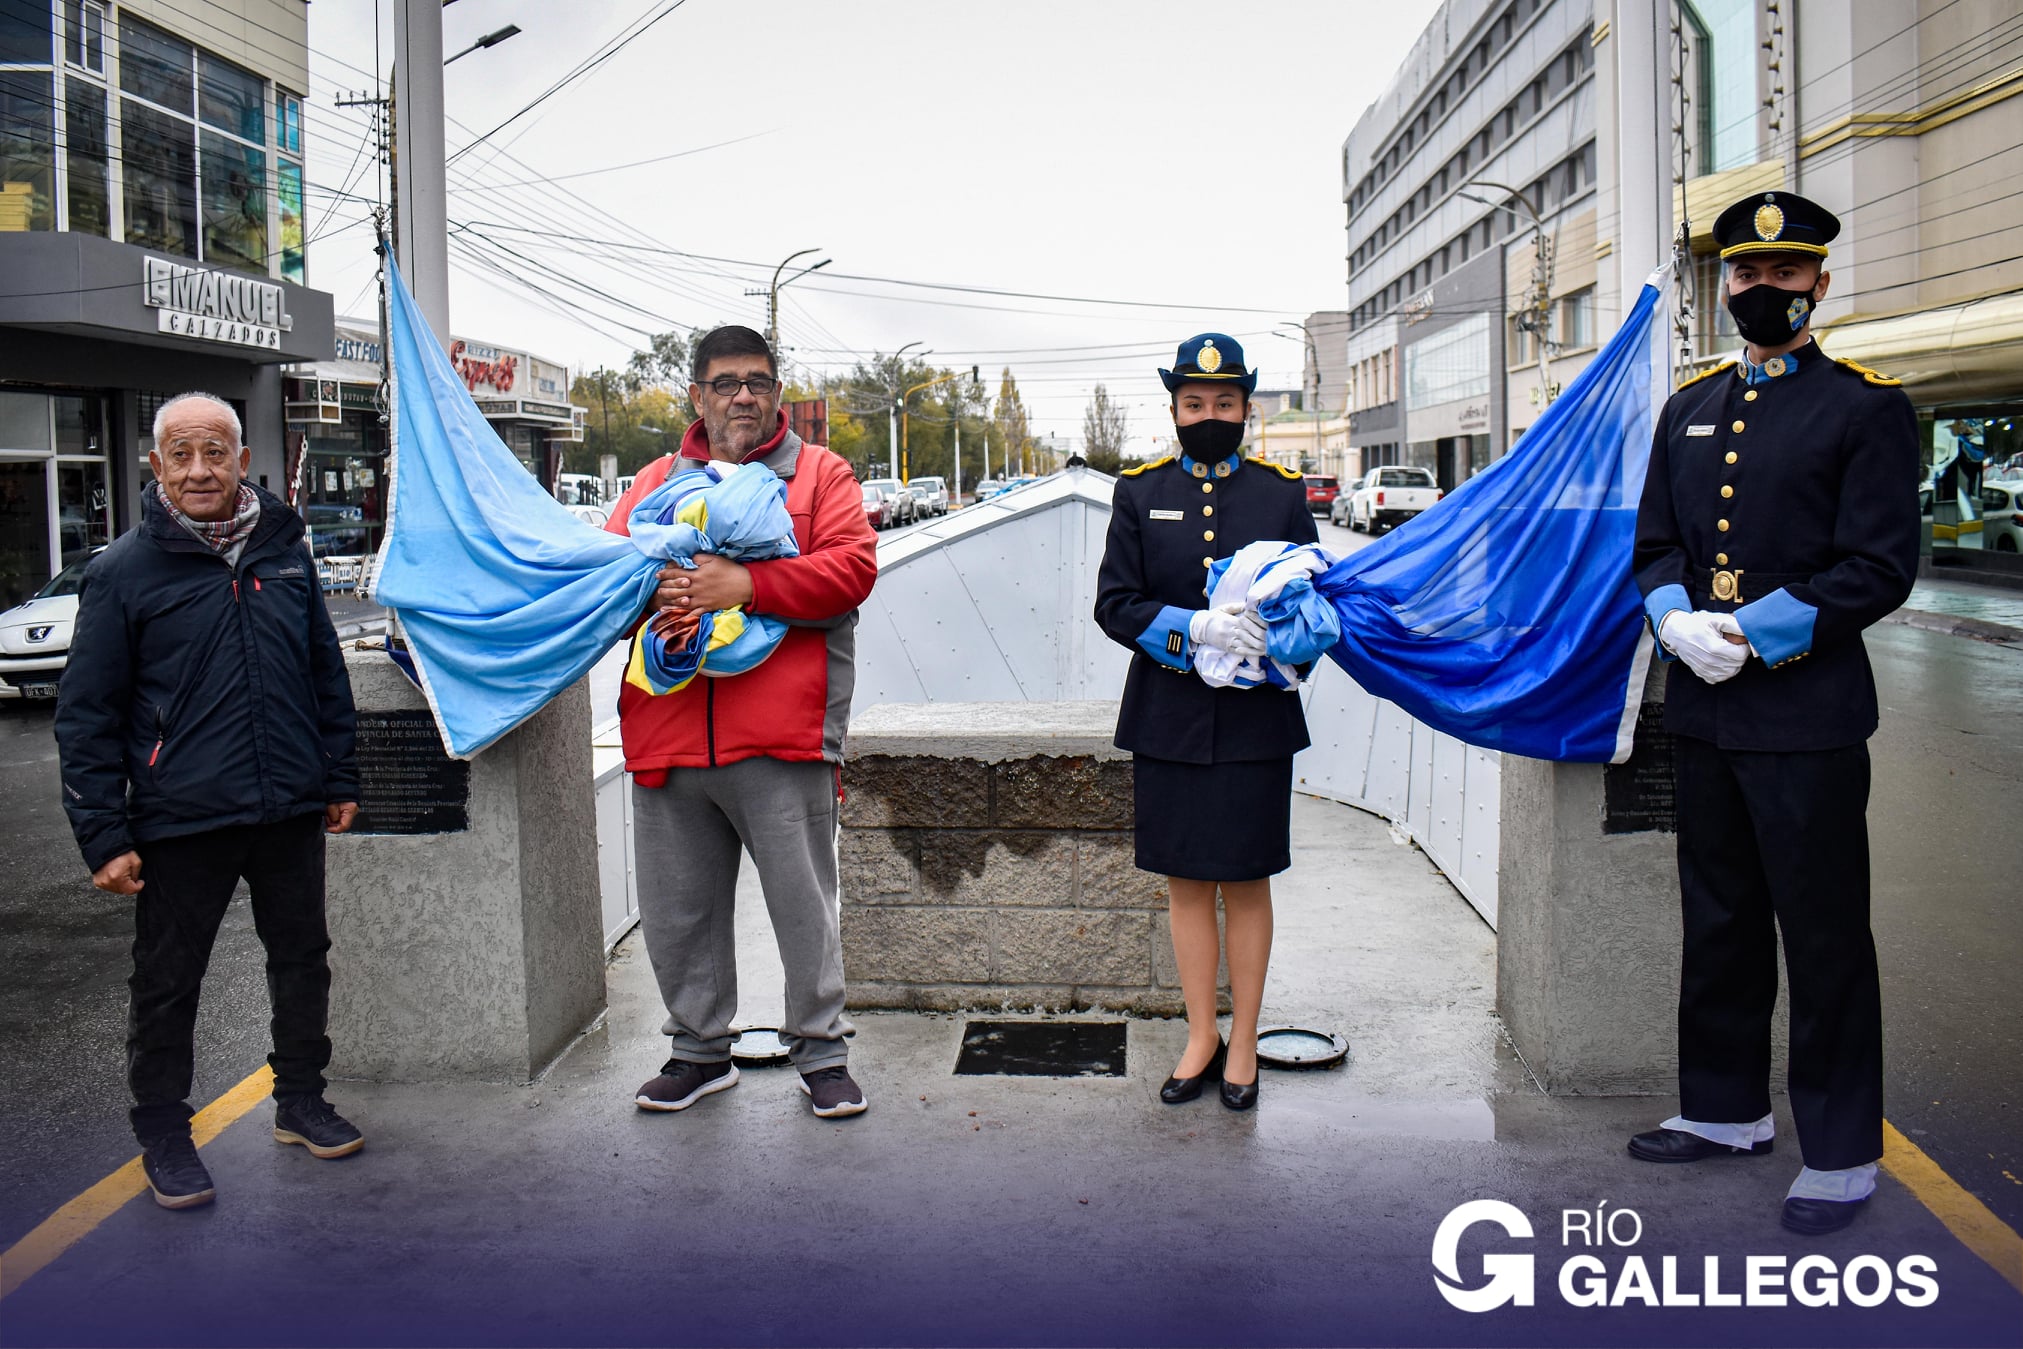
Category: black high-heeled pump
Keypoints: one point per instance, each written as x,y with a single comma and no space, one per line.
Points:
1240,1095
1180,1090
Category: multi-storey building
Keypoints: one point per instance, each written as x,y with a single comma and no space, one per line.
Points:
1481,149
151,241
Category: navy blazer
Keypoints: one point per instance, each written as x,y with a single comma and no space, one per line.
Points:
1785,494
1168,521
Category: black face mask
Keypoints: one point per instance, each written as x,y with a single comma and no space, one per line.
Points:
1768,316
1210,441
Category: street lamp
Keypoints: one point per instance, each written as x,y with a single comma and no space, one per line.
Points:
1541,275
772,293
892,414
492,39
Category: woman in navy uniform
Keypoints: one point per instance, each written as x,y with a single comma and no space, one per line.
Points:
1779,519
1213,765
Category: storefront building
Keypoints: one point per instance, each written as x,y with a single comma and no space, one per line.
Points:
1453,373
150,244
337,423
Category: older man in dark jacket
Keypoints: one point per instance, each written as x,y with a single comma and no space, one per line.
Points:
205,726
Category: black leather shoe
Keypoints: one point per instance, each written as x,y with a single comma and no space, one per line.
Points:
1676,1145
1239,1095
1814,1216
1181,1090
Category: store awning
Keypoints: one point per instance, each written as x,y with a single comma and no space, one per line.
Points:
1958,353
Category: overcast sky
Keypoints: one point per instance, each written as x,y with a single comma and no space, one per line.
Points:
1168,154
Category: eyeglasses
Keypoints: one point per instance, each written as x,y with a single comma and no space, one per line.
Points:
726,386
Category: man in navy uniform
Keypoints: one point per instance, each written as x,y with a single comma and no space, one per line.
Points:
1779,519
1212,767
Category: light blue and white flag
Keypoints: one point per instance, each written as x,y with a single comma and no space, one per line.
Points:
504,597
1506,615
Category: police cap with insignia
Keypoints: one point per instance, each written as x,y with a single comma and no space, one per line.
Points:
1209,358
1775,222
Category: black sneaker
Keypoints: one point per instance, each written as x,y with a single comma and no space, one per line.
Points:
833,1092
681,1084
174,1173
310,1121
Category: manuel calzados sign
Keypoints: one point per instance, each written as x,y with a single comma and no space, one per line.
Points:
215,306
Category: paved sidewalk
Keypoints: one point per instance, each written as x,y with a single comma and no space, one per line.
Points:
993,1210
1965,610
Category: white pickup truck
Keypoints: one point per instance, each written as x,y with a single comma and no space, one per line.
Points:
1389,496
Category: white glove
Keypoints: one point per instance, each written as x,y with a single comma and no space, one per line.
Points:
1230,629
1727,623
1697,639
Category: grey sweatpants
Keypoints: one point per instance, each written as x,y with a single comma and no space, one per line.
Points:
687,838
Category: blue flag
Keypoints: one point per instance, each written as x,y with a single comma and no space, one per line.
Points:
1506,615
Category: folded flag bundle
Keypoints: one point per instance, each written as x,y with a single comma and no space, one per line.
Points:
1273,580
734,511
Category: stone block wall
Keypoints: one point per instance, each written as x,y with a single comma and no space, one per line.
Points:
987,863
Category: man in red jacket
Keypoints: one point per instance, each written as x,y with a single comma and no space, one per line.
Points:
750,761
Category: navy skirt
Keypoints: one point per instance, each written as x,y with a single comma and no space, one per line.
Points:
1213,822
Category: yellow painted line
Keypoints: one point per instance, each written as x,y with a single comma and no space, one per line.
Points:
75,1220
1966,1217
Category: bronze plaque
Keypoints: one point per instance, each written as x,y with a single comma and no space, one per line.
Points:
406,784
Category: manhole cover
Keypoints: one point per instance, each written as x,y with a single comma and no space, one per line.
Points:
1297,1047
1042,1049
759,1047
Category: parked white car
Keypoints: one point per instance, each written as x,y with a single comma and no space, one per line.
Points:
35,635
934,492
2002,515
1389,496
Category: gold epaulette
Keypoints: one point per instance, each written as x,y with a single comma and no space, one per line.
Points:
1279,469
1136,469
1706,374
1872,376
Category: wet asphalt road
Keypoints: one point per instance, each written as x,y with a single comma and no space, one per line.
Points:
1948,799
64,959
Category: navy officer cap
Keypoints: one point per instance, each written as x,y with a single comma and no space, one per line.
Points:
1775,222
1210,358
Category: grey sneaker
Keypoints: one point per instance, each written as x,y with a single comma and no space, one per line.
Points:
681,1084
174,1173
310,1121
833,1092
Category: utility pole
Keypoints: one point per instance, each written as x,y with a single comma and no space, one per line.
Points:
421,224
892,427
956,495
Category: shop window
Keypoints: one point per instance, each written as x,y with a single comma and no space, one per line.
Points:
1448,366
157,67
235,204
84,510
159,181
231,99
85,157
84,35
27,151
288,184
27,36
1722,57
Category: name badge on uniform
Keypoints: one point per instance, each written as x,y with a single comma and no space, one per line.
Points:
1705,430
1169,515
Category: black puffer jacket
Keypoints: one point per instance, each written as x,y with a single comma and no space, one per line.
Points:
198,695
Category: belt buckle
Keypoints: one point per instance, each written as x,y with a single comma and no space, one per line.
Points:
1728,585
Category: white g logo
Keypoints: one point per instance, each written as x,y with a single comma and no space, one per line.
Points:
1510,1276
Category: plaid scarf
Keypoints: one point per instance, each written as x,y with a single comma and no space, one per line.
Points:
221,535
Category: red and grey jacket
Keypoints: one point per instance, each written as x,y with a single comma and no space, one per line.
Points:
796,704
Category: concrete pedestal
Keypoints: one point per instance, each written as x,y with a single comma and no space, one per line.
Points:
1588,925
987,861
476,953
